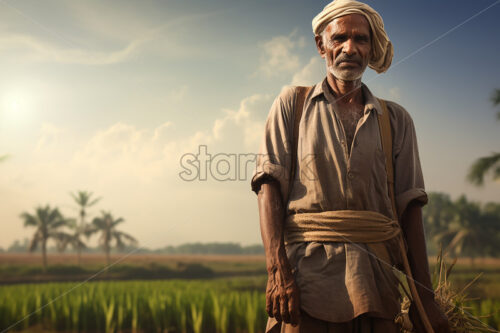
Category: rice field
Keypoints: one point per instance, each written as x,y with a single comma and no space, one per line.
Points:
224,305
231,304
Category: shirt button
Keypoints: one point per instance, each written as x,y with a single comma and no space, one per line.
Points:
350,175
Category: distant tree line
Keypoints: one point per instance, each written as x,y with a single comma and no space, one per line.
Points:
213,248
463,228
186,248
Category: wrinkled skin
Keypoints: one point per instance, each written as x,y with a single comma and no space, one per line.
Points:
282,297
282,293
346,47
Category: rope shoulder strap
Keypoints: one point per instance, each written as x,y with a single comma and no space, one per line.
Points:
300,97
384,124
386,138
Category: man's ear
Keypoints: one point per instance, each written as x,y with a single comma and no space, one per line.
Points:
319,45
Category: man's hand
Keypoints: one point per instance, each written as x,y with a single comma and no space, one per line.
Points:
283,297
437,318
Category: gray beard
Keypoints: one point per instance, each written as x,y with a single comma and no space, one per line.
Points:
344,74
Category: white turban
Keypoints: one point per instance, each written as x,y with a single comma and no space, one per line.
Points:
382,50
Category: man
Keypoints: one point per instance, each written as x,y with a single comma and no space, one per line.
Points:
340,286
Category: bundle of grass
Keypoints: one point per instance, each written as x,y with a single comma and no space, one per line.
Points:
452,302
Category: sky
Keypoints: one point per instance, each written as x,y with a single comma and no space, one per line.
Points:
115,97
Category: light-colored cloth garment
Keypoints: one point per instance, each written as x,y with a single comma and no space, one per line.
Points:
340,281
382,50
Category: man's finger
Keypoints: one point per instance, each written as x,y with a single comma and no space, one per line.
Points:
294,310
269,305
276,307
285,315
269,298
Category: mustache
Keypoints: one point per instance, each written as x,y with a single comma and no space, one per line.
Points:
344,58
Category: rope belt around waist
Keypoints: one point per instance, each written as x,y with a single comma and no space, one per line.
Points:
381,234
340,226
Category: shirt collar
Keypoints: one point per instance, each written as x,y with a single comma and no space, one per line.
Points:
371,102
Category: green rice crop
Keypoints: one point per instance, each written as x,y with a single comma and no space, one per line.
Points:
184,306
220,305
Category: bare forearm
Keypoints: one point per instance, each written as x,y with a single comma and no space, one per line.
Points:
413,230
282,293
272,215
417,254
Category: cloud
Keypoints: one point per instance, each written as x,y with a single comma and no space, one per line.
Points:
123,151
243,127
311,73
97,34
35,49
160,131
278,55
128,154
50,136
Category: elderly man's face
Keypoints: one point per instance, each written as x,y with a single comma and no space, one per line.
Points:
346,45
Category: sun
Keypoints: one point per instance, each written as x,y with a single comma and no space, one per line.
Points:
15,105
14,101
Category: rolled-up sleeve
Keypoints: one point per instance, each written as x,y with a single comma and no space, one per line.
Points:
274,157
408,177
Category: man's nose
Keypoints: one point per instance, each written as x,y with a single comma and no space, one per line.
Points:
349,48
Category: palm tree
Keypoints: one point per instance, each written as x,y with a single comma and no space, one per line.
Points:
106,226
491,222
82,198
470,231
74,239
438,213
48,222
488,163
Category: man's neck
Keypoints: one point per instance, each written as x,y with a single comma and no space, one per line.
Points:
345,92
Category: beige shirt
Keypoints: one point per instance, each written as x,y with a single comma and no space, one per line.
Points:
339,281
